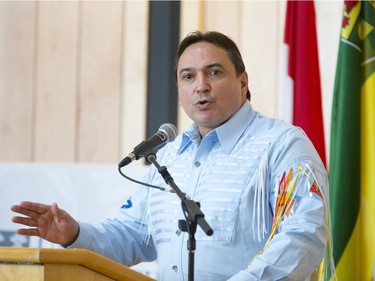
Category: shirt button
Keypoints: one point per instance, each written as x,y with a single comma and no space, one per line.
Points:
197,164
175,268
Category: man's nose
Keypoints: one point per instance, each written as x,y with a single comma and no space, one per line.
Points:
203,84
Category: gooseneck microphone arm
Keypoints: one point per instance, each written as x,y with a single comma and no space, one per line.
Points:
191,210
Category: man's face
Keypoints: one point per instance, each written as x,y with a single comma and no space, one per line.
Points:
209,90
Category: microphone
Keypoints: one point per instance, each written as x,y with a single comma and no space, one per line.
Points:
166,133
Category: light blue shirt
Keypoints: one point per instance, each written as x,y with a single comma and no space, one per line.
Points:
234,172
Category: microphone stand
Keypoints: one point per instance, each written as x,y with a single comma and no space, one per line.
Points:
192,211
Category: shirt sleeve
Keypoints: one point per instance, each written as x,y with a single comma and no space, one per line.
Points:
297,246
124,238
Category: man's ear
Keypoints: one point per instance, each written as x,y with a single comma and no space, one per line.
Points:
244,82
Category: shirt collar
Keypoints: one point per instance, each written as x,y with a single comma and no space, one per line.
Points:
228,133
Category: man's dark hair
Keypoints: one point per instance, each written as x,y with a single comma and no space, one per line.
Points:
218,39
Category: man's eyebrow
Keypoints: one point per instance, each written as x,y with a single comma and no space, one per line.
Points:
206,67
214,65
184,69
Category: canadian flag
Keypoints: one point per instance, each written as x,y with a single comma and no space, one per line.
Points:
300,93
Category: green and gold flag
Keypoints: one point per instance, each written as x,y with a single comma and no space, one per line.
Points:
352,148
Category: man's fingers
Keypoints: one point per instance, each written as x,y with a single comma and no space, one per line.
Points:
35,207
28,231
26,212
25,221
30,209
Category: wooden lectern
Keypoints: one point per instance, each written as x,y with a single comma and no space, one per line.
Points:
42,264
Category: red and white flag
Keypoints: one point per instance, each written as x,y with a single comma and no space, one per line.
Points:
300,100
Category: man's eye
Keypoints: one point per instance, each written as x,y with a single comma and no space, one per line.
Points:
187,76
214,72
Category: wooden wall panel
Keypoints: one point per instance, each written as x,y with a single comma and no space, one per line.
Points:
73,73
134,75
99,89
224,16
260,47
56,77
192,17
17,31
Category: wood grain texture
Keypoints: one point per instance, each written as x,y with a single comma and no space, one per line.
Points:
17,33
63,264
55,78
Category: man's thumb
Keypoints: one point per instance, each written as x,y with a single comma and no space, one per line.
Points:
57,212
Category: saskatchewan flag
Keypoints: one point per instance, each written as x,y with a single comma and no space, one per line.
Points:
352,148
